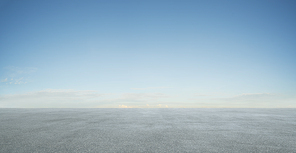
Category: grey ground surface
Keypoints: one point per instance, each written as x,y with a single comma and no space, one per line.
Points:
147,130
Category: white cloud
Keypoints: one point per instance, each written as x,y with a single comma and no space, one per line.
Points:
69,93
18,75
248,96
20,70
4,80
135,100
161,106
124,106
244,100
254,100
19,81
51,98
143,96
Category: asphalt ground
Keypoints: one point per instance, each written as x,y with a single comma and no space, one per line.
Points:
147,130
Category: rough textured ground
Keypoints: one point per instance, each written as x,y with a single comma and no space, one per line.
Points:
147,130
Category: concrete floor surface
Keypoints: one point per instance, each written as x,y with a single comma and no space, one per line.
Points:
147,130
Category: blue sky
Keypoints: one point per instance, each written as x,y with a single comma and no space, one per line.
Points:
147,53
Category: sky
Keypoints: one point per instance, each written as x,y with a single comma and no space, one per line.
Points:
147,54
